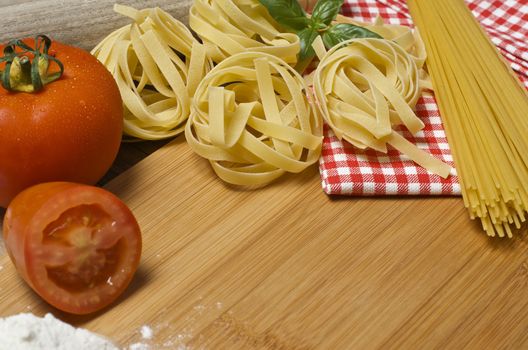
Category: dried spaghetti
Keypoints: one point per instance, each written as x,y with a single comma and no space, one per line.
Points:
484,109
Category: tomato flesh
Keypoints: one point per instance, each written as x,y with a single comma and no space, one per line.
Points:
77,246
82,258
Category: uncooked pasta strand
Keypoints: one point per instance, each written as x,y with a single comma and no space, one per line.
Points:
157,65
228,27
483,107
251,119
363,87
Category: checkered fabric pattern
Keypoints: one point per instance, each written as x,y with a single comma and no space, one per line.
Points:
346,170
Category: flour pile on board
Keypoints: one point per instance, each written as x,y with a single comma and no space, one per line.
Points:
28,332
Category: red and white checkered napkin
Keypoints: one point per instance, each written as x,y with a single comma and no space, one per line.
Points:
346,170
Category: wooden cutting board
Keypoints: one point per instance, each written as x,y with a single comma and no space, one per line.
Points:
286,267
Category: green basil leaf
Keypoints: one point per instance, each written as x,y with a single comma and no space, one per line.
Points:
288,13
345,31
307,37
325,11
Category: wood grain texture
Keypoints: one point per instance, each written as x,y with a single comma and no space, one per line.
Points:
83,23
286,267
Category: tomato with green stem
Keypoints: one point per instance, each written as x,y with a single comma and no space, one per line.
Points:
77,246
61,115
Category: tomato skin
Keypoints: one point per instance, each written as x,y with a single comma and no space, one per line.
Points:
24,231
69,131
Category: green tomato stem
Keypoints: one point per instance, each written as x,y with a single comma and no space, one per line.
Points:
26,68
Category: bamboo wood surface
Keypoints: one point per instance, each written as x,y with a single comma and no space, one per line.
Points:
286,267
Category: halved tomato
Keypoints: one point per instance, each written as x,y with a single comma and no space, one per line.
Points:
77,246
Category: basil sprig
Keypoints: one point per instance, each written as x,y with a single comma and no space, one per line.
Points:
325,11
307,37
288,13
291,16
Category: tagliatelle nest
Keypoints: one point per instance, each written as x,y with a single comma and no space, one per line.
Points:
252,120
366,86
406,37
228,27
157,64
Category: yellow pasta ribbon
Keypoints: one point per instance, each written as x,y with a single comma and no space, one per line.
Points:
251,119
157,65
228,27
409,39
365,86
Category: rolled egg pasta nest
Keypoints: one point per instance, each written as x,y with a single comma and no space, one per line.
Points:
228,27
157,65
252,120
406,37
363,87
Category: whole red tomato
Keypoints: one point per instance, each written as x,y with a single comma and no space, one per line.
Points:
70,130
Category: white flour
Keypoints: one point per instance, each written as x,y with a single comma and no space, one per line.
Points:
146,332
28,332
